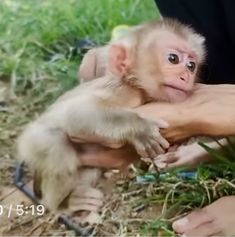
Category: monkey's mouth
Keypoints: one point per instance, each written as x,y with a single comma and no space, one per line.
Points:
176,88
175,94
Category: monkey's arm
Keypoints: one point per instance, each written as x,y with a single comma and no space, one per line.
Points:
114,127
208,111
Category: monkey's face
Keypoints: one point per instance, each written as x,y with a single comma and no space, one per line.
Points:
179,65
162,62
171,70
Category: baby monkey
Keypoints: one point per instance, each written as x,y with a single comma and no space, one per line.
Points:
155,61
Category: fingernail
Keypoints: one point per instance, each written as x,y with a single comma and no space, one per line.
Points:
181,222
183,235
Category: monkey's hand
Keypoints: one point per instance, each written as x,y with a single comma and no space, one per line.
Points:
148,141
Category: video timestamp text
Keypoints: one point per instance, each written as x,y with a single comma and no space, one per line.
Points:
20,210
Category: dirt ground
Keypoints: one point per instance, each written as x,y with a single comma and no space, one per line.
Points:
122,213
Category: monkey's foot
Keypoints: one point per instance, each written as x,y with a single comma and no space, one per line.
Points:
185,155
85,198
216,219
88,217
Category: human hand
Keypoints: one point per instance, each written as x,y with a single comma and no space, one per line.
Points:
92,65
216,219
96,155
208,111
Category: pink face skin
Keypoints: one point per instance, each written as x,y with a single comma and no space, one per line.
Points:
179,66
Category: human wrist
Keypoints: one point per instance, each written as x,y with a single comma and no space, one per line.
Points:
196,122
183,124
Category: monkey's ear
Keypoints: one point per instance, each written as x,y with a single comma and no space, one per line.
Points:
119,61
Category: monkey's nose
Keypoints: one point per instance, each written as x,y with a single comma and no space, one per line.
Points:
182,79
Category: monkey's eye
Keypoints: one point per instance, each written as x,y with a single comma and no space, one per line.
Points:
173,58
191,66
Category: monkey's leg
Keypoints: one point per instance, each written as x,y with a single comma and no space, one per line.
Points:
187,155
55,188
116,126
55,165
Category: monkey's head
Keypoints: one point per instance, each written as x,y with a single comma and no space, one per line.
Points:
162,58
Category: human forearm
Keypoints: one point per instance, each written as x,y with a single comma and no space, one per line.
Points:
209,111
100,156
181,122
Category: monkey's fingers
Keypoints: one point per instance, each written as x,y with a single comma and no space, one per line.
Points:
156,135
87,192
161,140
148,148
161,123
154,148
85,204
151,151
85,199
140,148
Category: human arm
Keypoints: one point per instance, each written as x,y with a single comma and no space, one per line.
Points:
210,110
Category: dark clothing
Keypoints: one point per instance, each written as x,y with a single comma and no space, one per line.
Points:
215,20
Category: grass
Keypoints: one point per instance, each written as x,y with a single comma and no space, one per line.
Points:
180,195
39,59
38,39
